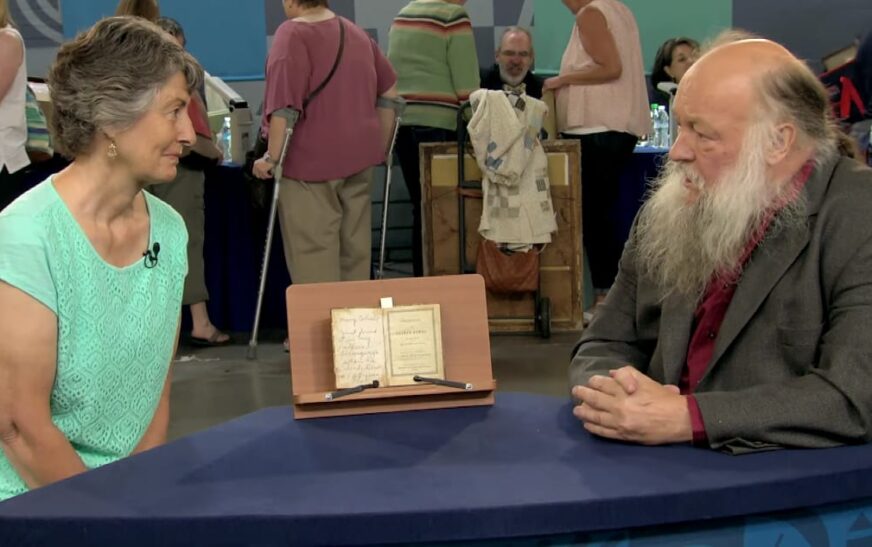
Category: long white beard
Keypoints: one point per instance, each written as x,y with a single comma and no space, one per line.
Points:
682,246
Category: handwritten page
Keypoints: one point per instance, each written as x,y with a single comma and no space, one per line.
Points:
358,346
390,345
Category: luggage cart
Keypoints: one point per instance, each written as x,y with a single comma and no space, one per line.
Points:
472,189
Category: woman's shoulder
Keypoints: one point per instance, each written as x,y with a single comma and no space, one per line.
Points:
11,32
289,30
10,37
162,213
166,220
30,208
307,33
32,223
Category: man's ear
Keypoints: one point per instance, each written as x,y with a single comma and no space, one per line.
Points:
782,142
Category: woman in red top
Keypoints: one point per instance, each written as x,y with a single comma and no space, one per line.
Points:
324,196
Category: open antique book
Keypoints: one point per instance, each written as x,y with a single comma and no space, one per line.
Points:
390,345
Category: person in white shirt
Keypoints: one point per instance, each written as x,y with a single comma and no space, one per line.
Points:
13,120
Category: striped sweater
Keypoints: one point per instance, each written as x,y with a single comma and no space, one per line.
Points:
433,52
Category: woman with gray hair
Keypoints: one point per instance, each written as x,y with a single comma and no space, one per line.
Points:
92,267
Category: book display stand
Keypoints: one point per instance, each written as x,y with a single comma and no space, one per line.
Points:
465,345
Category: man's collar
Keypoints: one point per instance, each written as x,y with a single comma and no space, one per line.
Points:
818,181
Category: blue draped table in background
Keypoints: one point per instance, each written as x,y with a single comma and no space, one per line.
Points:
233,252
635,181
523,468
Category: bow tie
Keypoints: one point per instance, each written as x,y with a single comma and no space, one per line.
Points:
519,89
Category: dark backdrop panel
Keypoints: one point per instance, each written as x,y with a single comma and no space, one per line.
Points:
809,28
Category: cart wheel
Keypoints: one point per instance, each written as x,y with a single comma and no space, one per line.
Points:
543,318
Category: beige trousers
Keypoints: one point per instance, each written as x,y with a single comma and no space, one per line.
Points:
327,228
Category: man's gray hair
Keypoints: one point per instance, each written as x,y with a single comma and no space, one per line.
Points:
792,93
108,76
512,29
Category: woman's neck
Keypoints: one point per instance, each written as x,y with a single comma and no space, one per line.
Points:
313,15
96,190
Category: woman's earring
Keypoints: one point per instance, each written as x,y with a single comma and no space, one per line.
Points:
113,151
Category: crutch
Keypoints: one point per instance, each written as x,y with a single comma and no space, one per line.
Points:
398,105
291,116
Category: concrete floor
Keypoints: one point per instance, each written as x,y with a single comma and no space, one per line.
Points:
213,385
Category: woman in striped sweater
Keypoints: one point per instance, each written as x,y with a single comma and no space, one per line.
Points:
433,52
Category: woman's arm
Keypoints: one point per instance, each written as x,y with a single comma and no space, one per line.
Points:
37,449
11,57
599,43
387,117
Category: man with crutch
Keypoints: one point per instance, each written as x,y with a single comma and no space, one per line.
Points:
333,73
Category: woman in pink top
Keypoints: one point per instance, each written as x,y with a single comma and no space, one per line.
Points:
602,101
324,196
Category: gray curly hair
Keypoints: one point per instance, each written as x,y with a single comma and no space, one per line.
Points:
108,76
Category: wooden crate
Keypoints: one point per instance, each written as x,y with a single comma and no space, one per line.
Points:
560,269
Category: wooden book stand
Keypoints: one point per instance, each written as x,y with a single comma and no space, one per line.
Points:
465,344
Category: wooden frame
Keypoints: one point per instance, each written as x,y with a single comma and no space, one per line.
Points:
465,344
561,274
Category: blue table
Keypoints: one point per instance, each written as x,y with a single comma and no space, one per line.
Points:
523,468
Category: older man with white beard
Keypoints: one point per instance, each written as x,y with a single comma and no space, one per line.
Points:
741,317
514,59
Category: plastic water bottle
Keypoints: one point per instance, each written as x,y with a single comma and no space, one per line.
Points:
662,130
652,138
224,141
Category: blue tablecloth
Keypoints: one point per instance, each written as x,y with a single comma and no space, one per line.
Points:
522,468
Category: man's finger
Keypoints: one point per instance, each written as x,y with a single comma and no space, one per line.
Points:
606,385
589,414
626,377
596,399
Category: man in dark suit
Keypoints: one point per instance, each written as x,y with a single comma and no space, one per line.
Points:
514,59
740,318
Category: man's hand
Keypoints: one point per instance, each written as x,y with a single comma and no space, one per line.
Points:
555,83
629,406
